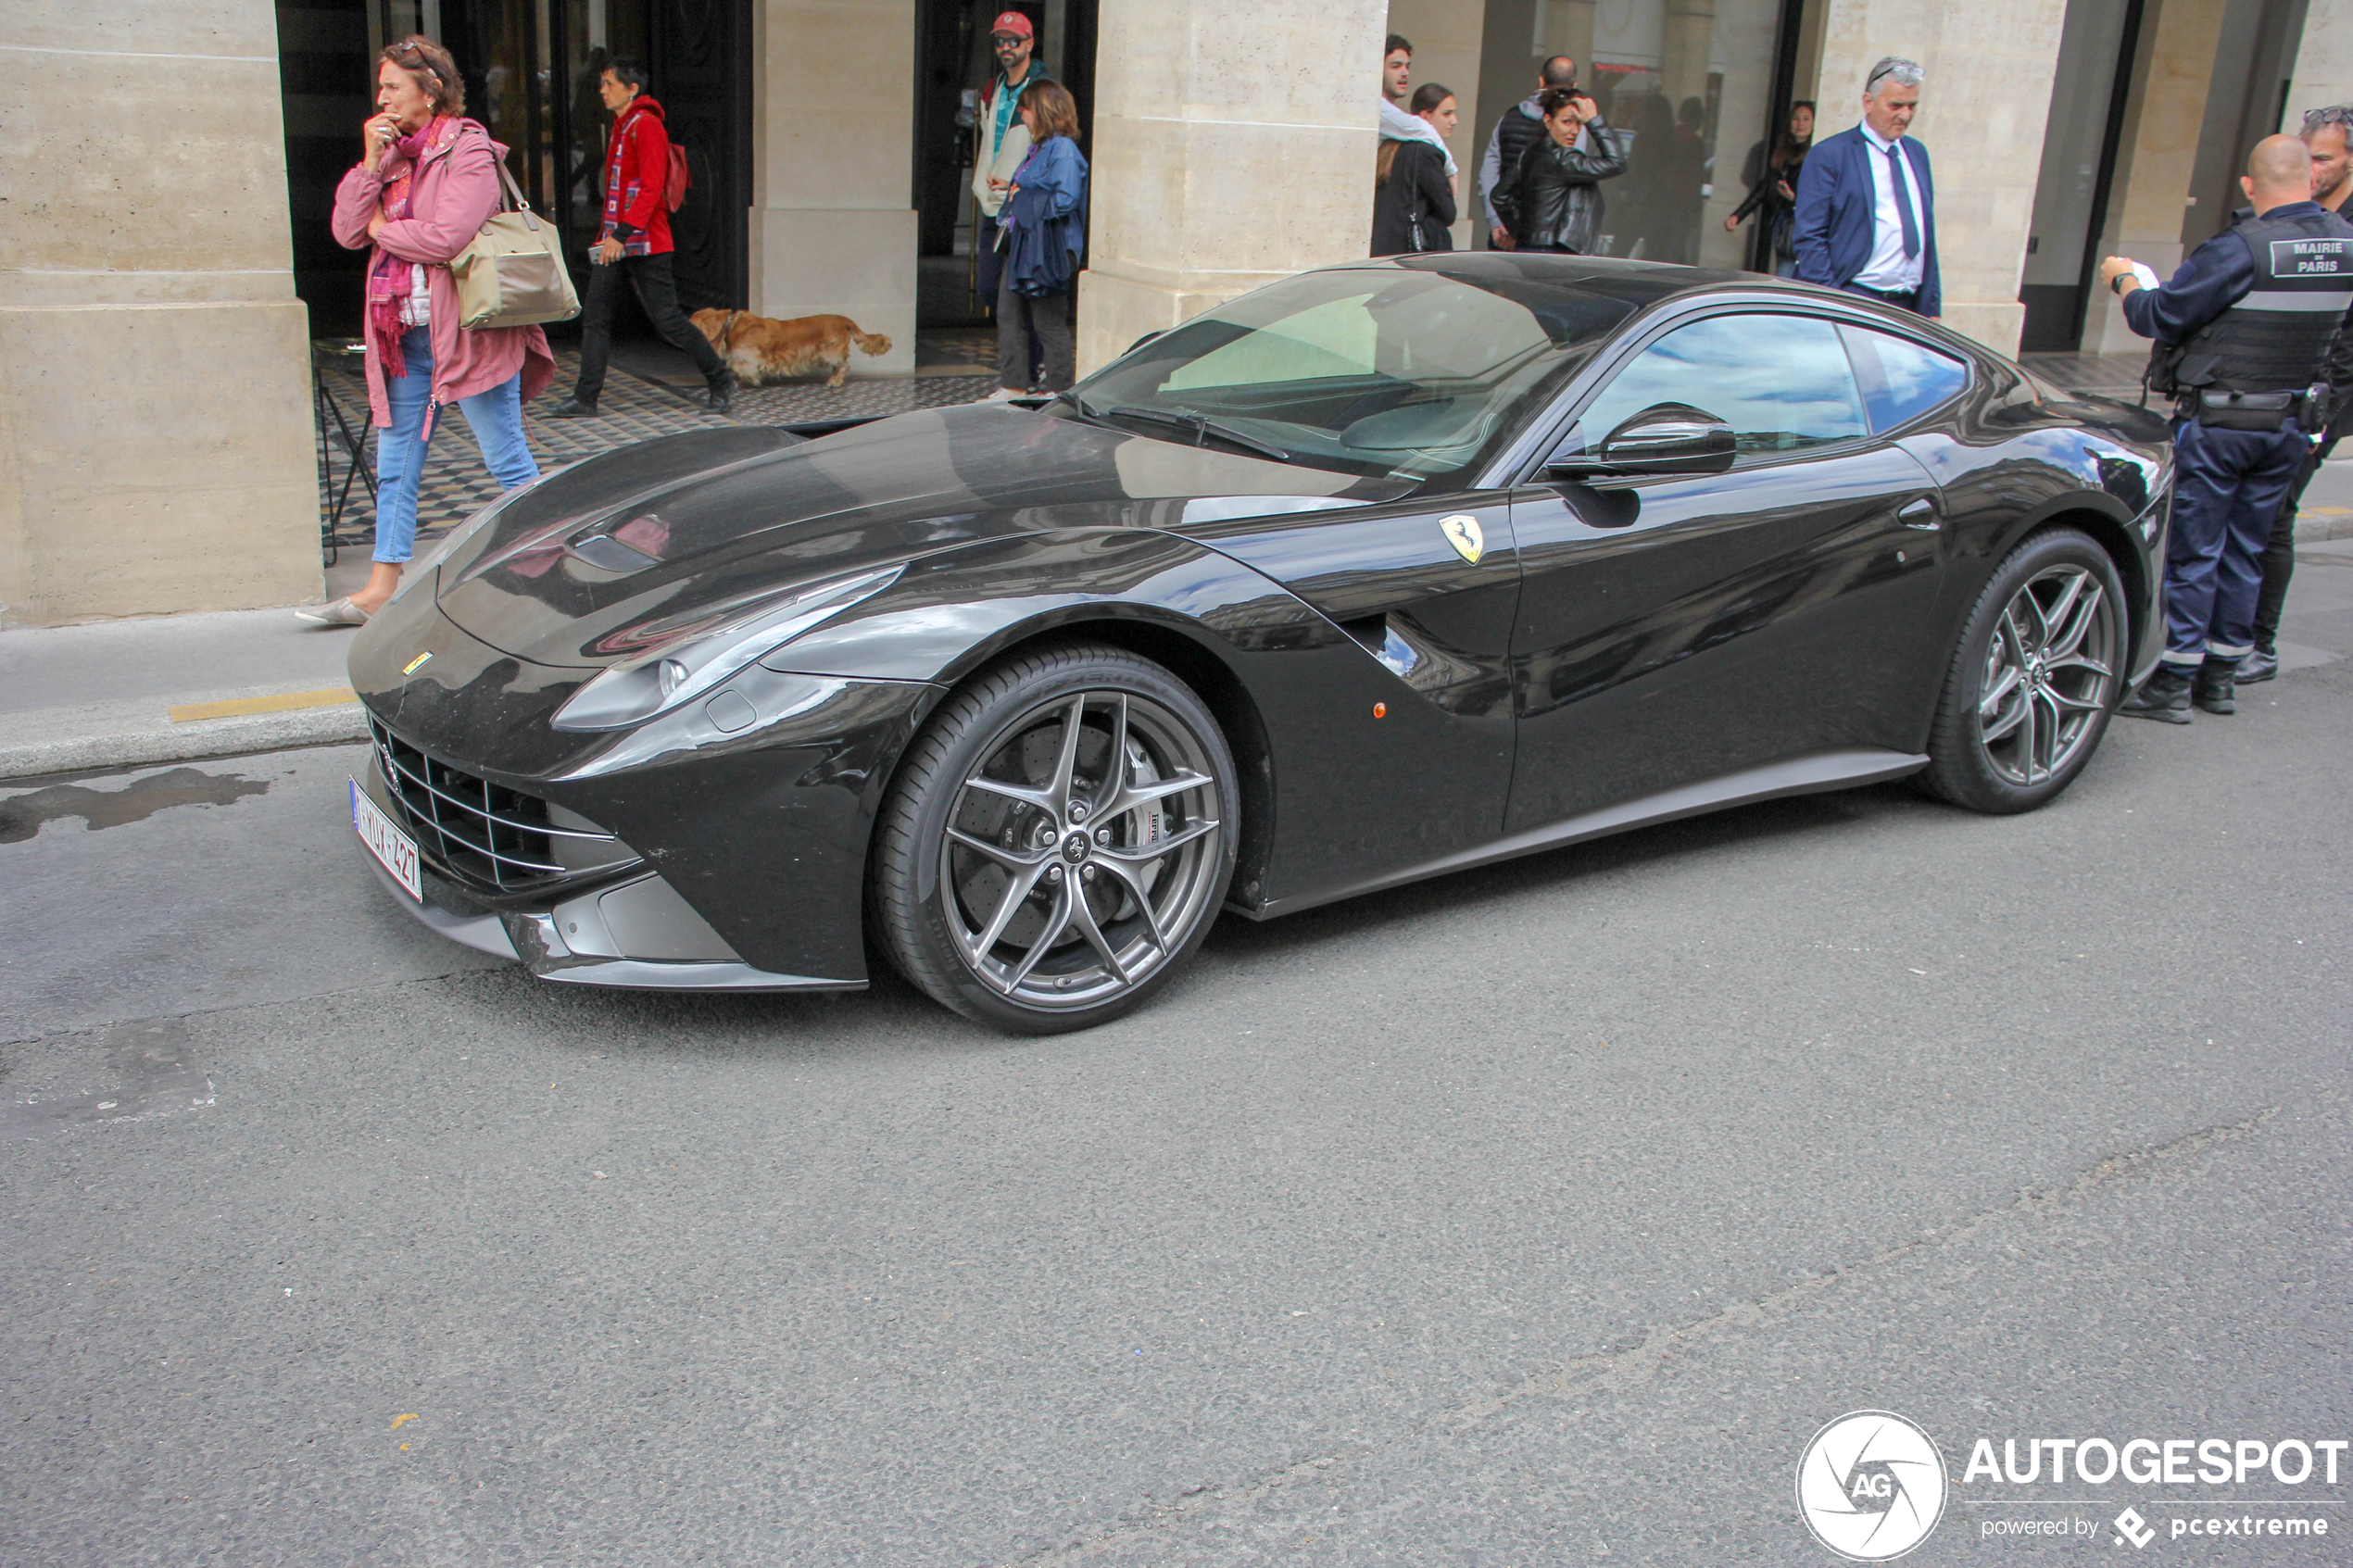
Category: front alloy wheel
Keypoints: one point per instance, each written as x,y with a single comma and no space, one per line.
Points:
1059,840
2050,674
2037,673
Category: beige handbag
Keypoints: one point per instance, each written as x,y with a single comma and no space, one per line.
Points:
513,274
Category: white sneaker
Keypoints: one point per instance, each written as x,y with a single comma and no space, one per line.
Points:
1004,395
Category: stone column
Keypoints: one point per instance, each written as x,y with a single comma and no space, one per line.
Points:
833,218
2157,154
1689,38
1990,65
1233,146
154,416
2323,61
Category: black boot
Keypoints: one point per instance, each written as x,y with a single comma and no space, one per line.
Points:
2165,697
723,391
571,409
2260,665
2213,690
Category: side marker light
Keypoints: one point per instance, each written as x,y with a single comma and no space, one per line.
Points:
1380,711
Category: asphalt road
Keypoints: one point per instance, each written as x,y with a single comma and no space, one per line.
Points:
1539,1215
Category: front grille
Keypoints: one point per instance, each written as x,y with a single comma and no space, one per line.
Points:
485,833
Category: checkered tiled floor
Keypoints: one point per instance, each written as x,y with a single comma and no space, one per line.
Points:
630,410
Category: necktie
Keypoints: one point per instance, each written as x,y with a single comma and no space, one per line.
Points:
1903,204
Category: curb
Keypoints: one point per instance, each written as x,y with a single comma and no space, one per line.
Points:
2312,530
343,723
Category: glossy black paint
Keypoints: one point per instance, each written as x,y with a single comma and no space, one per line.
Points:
1678,628
1616,640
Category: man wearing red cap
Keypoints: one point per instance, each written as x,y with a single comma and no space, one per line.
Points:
1003,141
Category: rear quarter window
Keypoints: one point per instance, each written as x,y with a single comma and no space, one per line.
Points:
1901,379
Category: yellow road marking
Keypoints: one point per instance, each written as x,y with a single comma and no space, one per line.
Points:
2326,511
333,697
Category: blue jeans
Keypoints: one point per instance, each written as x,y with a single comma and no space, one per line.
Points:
2228,486
496,419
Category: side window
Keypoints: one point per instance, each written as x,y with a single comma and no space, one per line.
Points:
1902,380
1782,382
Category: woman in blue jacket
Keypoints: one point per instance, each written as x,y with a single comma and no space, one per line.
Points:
1043,229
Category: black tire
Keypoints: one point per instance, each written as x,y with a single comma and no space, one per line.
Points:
2037,671
1021,881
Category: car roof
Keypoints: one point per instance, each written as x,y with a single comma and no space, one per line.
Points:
1634,283
1637,285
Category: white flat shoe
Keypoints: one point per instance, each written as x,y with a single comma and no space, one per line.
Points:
342,612
1004,395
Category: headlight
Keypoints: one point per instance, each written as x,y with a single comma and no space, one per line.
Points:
700,659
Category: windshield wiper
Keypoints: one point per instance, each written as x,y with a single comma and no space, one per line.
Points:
1201,426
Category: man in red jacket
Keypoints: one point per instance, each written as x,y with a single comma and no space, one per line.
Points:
635,243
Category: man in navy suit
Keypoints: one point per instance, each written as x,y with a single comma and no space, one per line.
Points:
1866,205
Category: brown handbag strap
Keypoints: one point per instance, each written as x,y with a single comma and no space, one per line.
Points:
514,194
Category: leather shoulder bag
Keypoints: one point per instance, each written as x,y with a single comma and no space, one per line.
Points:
513,274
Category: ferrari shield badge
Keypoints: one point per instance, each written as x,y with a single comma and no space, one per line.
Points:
1463,532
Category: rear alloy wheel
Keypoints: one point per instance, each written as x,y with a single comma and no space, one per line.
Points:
1058,842
2038,671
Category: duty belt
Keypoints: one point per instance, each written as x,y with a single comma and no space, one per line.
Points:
2263,411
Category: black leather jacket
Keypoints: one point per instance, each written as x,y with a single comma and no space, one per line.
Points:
1554,196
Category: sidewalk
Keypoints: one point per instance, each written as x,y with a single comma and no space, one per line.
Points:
168,688
77,699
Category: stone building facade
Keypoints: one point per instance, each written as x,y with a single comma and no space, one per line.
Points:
156,313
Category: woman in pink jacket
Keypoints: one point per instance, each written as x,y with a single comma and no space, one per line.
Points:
427,181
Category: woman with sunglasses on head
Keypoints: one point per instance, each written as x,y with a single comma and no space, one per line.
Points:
1552,200
426,182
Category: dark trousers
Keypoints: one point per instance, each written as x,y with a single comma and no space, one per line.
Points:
649,275
1020,321
2227,488
2279,556
989,262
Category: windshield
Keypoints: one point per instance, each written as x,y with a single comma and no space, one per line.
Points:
1402,374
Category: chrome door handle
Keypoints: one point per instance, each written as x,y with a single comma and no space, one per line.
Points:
1920,514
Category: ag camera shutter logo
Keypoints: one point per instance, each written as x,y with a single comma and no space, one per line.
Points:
1871,1486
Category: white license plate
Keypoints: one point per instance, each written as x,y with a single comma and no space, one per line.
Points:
396,850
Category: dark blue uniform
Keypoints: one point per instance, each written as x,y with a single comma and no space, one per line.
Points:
2248,320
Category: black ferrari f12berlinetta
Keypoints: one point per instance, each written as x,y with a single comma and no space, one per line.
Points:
1374,573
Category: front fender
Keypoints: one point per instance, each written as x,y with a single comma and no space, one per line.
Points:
952,612
1362,771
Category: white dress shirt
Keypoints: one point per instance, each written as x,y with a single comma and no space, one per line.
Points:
1889,270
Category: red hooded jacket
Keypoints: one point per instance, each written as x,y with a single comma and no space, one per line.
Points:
637,171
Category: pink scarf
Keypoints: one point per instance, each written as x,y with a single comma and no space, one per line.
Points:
389,280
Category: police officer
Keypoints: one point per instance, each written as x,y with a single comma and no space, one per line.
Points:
2244,331
2328,132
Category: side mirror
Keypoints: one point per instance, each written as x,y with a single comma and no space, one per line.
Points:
1665,438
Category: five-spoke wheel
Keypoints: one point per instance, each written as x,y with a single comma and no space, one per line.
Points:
1058,842
2037,671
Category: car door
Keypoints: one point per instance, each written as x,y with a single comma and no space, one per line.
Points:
1394,743
1678,628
